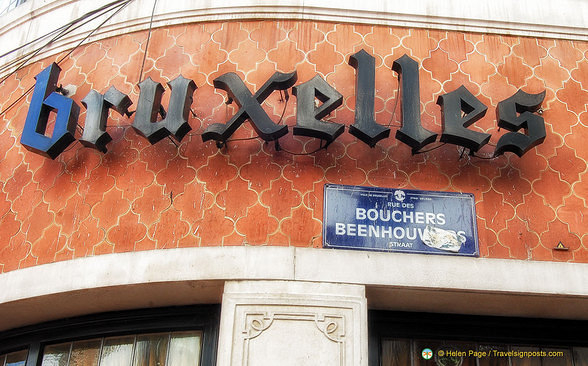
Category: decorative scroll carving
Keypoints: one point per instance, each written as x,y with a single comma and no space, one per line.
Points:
256,323
333,327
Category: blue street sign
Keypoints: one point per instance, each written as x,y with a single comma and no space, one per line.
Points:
399,220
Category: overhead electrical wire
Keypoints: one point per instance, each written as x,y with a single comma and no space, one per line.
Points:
89,17
117,6
395,105
122,6
68,25
148,39
61,31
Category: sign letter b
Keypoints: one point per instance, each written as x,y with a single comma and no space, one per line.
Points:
45,100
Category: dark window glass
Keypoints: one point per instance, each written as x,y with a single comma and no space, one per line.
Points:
490,355
526,361
557,357
85,353
14,359
403,352
427,339
395,352
178,336
161,349
581,356
56,355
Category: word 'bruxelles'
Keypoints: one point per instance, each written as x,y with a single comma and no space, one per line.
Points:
460,109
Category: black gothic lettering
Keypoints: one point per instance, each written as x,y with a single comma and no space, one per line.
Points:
175,122
412,132
249,107
515,113
365,127
460,109
308,117
98,105
454,105
45,100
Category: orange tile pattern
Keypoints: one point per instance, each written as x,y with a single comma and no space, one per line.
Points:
140,196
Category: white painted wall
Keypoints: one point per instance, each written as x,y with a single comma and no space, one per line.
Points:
292,323
399,281
565,19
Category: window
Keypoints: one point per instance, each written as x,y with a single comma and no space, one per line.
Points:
422,339
7,5
173,348
407,352
182,336
14,359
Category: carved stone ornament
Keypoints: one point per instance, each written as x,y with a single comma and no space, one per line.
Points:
327,332
267,323
332,326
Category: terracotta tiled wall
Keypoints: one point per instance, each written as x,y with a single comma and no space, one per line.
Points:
140,196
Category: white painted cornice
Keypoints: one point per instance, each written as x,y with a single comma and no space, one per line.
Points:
562,19
396,281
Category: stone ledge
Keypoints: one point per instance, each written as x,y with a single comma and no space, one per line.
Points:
197,275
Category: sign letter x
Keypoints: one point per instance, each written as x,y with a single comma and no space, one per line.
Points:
249,107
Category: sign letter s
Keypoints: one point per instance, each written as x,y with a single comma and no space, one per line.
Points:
515,113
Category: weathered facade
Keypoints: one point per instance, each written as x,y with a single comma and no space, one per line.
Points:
240,223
